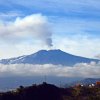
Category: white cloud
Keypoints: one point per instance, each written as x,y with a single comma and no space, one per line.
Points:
79,70
69,36
78,45
34,26
97,56
64,26
9,14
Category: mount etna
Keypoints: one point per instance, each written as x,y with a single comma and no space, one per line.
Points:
56,57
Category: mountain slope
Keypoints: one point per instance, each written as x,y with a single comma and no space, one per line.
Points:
85,81
89,81
48,57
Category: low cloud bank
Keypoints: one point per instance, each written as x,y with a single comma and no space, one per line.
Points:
79,70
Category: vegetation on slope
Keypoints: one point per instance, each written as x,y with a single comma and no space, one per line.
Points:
50,92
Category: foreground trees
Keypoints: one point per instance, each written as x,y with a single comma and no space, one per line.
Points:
50,92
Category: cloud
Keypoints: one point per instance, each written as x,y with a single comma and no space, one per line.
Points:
35,26
70,20
79,45
79,70
10,14
97,56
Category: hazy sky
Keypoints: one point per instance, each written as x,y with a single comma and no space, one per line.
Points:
30,25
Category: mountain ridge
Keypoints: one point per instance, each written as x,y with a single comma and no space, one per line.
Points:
86,81
56,57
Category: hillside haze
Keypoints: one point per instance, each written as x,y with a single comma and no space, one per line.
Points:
56,57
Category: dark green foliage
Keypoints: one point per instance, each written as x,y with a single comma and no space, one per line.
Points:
85,93
40,92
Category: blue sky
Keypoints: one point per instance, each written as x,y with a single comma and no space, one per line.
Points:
69,25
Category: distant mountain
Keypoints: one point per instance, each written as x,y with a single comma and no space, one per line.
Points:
48,57
86,81
90,80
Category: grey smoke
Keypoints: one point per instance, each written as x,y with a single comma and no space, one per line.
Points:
49,42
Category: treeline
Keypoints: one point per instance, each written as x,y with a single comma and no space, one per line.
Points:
50,92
